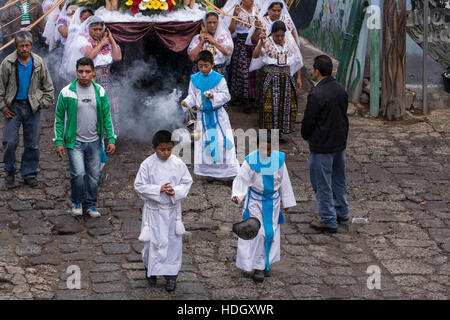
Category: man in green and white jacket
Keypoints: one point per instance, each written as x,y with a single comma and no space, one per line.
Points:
82,116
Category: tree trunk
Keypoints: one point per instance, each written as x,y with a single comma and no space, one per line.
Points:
393,100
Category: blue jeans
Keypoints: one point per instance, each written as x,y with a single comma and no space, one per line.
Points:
327,174
84,165
31,140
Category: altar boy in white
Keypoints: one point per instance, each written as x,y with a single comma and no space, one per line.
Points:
162,181
214,152
264,181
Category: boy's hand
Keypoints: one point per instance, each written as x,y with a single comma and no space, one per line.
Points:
184,104
169,190
164,187
285,210
235,199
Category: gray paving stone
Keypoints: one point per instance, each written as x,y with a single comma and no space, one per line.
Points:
98,277
404,266
28,250
116,248
108,287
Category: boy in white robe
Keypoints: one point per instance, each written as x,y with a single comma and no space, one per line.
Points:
264,181
162,181
214,151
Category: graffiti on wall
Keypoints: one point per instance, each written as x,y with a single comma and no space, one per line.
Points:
438,28
328,25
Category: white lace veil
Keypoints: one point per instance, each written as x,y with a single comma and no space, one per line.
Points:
50,33
77,40
229,8
264,10
220,31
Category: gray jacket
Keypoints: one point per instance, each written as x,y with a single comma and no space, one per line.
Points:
40,92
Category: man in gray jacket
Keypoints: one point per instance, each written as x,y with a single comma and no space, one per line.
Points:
25,88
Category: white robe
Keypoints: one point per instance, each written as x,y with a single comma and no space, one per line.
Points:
203,163
251,254
162,255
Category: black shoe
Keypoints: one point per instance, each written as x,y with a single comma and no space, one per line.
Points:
317,225
267,273
340,220
151,280
258,276
32,182
171,284
9,179
210,179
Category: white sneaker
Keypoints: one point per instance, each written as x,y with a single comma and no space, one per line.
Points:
76,209
92,211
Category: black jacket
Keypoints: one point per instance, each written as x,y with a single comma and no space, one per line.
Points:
325,122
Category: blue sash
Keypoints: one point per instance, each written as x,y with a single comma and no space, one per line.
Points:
266,169
210,117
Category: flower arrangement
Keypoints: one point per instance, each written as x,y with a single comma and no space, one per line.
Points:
149,7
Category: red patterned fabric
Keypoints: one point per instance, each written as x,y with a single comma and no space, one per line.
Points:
105,50
176,36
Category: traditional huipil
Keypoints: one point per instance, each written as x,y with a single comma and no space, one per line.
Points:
265,184
243,82
214,151
223,36
162,255
277,98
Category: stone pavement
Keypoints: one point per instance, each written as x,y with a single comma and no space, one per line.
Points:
398,176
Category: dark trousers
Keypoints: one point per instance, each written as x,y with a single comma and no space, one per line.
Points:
31,140
327,174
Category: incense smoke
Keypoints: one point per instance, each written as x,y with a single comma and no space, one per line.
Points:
146,108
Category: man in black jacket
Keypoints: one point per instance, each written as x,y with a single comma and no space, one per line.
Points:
325,127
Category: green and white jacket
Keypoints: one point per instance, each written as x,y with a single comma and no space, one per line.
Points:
66,116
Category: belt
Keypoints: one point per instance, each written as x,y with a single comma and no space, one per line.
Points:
22,101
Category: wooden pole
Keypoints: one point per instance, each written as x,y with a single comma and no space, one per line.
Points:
393,98
425,56
375,66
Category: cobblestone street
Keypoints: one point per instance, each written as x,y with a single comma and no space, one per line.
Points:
398,175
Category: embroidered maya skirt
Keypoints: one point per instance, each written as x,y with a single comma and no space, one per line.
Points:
103,77
277,99
243,82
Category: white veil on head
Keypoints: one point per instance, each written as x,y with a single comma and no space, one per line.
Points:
221,31
229,8
51,33
265,10
77,41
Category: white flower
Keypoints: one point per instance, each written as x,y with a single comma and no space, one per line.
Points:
142,6
145,1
